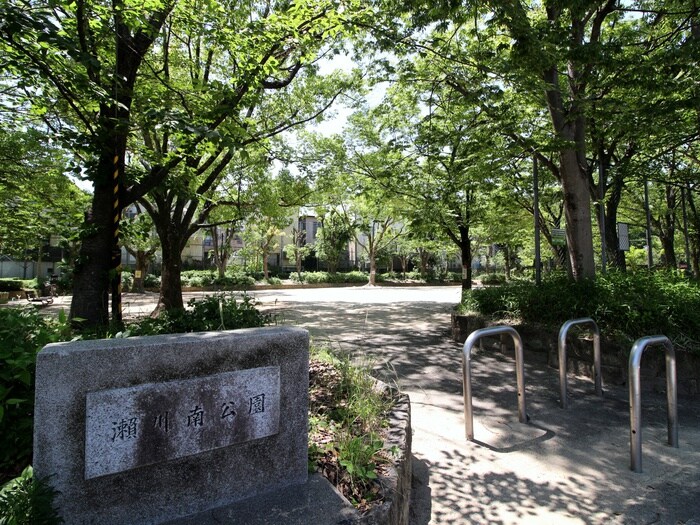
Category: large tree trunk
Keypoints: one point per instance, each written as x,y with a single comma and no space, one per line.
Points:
616,257
170,297
141,269
465,247
90,302
372,267
99,251
668,231
577,211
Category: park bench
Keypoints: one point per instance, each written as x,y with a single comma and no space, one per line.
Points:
36,300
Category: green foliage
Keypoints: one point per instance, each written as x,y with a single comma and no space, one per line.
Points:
28,501
325,277
492,278
357,455
221,311
205,278
346,403
23,332
10,285
151,281
275,281
629,304
127,280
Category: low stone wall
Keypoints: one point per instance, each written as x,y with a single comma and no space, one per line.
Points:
542,344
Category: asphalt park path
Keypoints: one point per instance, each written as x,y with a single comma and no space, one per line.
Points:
564,467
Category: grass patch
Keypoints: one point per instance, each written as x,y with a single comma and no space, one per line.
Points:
347,420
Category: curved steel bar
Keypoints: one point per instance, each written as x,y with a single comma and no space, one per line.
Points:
471,341
597,378
636,397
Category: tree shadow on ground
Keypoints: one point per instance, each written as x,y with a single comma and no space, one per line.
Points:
578,472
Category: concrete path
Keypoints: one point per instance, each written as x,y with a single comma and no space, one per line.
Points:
564,467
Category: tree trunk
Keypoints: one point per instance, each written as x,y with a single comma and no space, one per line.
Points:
372,268
424,259
668,232
506,254
172,242
141,270
465,246
616,257
577,210
297,261
170,297
266,270
90,303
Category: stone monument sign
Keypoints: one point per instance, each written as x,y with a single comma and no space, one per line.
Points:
149,429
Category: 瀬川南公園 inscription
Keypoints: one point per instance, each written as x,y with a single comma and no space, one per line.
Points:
155,422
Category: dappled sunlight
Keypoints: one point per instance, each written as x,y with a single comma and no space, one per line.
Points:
565,466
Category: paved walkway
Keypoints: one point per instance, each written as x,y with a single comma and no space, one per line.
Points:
564,467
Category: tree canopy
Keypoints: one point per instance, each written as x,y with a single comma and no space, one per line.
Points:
190,108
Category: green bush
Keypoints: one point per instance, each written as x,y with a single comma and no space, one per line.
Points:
238,279
127,280
23,332
26,501
492,278
355,277
10,285
454,277
205,278
629,304
223,311
197,278
151,281
325,277
414,275
275,281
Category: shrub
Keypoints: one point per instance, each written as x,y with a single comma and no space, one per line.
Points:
197,278
216,312
355,277
27,501
275,281
239,279
23,332
317,277
325,277
629,304
414,276
127,281
10,285
151,281
455,277
493,278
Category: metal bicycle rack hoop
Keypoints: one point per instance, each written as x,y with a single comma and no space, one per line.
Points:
563,331
636,396
471,341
